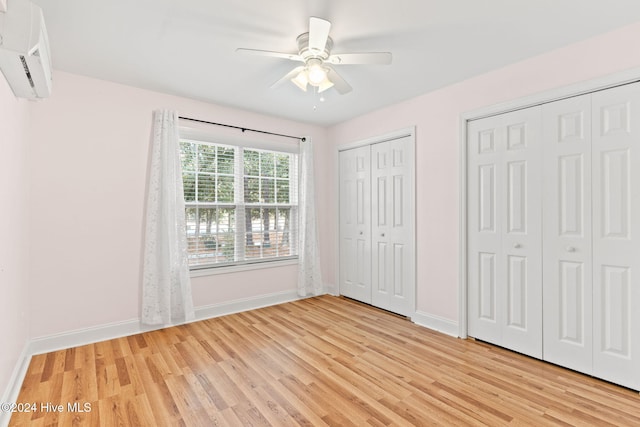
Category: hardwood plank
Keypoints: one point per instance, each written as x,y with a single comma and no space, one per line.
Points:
163,408
319,361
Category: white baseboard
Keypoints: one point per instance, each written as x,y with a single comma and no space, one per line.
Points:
236,306
15,382
84,336
436,323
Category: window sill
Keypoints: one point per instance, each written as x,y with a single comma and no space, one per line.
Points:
212,271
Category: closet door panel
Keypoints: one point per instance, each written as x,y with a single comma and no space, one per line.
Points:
484,245
382,255
567,279
355,224
521,236
505,293
570,294
616,224
393,226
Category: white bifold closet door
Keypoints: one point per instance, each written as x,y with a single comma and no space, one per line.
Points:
377,224
504,231
553,223
591,247
616,234
568,286
355,224
392,232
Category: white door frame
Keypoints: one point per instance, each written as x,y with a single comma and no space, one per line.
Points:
400,133
606,82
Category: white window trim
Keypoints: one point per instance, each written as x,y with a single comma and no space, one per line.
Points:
234,268
199,136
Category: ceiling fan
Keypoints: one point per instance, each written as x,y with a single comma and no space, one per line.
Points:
314,50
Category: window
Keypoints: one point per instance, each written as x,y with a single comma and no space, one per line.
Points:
241,204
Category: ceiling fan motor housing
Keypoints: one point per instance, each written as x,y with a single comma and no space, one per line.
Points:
306,53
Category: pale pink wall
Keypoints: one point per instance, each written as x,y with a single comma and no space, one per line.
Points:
88,152
436,116
14,233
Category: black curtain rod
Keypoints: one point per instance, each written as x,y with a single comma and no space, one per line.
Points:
301,138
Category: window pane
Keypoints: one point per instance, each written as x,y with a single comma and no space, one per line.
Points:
188,156
251,163
189,183
226,156
210,235
284,232
190,218
269,233
207,220
267,191
267,165
253,227
269,246
282,166
282,189
206,188
206,239
206,158
225,189
226,234
194,243
251,190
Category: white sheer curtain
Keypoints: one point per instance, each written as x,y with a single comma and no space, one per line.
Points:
309,279
166,286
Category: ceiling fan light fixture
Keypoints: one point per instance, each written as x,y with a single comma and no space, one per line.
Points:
301,80
314,51
325,84
316,73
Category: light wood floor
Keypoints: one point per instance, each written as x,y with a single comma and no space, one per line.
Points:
320,361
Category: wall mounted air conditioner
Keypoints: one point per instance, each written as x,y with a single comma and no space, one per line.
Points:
24,50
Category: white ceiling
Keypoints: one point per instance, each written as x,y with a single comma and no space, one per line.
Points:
187,47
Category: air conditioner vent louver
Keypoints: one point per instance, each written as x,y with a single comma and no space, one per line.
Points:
26,70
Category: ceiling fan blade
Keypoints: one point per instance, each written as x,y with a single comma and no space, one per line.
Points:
291,74
290,56
373,58
318,34
338,82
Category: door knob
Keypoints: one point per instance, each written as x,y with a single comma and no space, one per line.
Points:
571,249
361,233
382,235
517,246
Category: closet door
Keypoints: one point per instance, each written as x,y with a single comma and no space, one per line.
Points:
567,233
504,231
616,244
392,235
355,224
484,244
